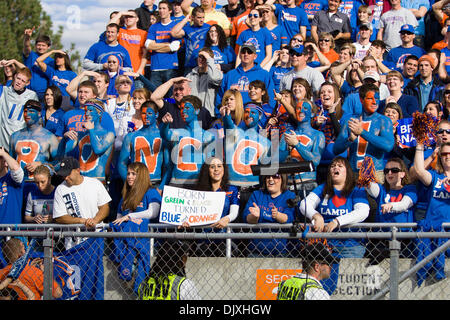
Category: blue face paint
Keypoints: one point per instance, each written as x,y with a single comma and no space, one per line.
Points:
149,116
92,113
33,115
303,112
251,117
188,112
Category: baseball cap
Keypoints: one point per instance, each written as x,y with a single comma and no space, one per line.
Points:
407,28
297,50
366,25
249,46
33,104
99,105
372,75
319,252
254,106
67,165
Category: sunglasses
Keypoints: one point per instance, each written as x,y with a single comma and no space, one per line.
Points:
293,53
247,51
393,170
446,91
441,131
125,83
274,177
298,40
445,154
253,15
324,40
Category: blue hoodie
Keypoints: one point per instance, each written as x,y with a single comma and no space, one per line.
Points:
240,79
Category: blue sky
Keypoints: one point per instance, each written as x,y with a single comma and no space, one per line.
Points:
83,20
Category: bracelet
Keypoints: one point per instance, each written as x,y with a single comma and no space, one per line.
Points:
419,149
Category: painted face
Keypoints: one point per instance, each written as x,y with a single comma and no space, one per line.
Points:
251,117
303,112
31,116
371,102
91,113
188,112
148,116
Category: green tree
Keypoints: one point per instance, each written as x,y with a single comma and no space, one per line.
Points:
18,15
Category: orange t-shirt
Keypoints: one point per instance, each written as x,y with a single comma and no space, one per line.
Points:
331,55
239,24
31,277
133,41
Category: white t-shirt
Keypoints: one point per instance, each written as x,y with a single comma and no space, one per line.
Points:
80,201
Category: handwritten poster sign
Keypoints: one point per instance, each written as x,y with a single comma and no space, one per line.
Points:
194,207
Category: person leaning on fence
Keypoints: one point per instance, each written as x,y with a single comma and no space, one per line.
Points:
316,265
79,199
270,205
167,278
31,277
337,203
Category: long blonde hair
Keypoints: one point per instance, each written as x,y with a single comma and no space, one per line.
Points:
239,110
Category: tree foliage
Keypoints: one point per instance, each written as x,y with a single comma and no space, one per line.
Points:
18,15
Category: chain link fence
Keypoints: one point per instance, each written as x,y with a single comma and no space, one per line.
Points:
242,262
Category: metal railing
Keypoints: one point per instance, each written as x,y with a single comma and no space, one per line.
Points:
394,234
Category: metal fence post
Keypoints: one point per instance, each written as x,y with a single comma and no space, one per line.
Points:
394,249
48,267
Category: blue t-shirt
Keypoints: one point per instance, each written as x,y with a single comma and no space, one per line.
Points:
58,78
260,39
100,51
39,82
350,8
225,56
276,34
265,203
152,195
396,56
11,199
338,206
438,195
416,4
161,34
55,123
194,40
291,19
396,196
277,73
